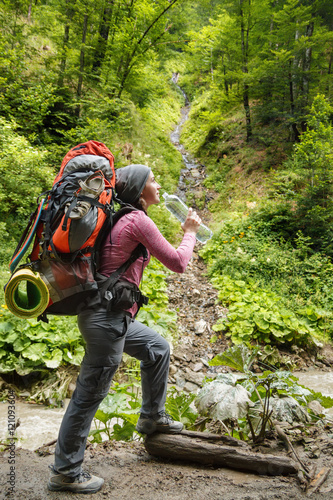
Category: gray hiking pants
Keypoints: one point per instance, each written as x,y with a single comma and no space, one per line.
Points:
107,336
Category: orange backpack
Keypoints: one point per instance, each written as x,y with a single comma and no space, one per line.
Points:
68,227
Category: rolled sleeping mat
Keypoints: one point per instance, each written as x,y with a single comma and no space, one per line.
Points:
26,294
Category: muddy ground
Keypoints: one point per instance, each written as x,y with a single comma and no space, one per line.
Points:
130,472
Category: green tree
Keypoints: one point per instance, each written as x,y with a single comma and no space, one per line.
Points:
312,160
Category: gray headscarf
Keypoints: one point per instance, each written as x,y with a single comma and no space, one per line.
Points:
130,182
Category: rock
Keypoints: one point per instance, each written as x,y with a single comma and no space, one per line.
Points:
180,356
195,172
195,378
204,361
316,407
200,327
314,452
198,366
180,381
172,370
71,389
191,388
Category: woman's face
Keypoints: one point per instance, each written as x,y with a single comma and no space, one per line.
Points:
150,193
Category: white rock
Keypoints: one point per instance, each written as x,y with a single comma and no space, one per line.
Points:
200,326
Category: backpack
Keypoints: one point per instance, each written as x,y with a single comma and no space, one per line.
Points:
68,227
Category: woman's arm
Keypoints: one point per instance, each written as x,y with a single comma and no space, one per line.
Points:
175,259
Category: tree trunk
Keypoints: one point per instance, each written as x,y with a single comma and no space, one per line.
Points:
247,112
29,12
294,72
82,63
217,450
63,60
104,32
130,57
245,50
294,129
307,63
295,90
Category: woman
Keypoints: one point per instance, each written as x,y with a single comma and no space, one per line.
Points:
109,333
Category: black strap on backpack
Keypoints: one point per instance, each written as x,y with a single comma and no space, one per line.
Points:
113,285
106,283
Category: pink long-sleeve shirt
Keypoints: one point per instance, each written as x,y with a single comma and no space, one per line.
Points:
134,228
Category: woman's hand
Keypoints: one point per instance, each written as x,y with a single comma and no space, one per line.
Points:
192,223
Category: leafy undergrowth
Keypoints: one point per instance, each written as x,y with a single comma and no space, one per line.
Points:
46,349
276,293
241,403
247,404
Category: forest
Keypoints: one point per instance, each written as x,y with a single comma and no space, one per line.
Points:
258,77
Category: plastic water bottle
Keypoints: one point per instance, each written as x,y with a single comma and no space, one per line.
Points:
178,208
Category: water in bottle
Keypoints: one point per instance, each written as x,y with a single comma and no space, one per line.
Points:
178,208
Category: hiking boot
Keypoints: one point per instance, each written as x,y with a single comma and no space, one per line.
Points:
80,210
91,188
162,422
82,483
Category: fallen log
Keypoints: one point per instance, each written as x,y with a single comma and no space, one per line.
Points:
194,447
209,436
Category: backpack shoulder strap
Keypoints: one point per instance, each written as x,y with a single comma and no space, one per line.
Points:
109,282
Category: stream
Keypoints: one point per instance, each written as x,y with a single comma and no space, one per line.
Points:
39,424
192,174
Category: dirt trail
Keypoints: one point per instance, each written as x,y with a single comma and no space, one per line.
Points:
130,473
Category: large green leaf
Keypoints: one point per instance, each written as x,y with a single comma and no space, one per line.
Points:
54,359
238,357
35,352
5,327
123,432
21,343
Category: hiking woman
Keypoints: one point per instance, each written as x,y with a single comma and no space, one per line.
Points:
109,332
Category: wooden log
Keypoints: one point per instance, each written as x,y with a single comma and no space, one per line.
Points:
201,450
215,438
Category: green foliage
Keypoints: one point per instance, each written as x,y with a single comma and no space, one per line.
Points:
162,321
263,390
302,187
122,405
237,357
156,314
154,284
24,175
6,245
29,346
178,405
312,159
205,125
267,53
276,292
257,315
